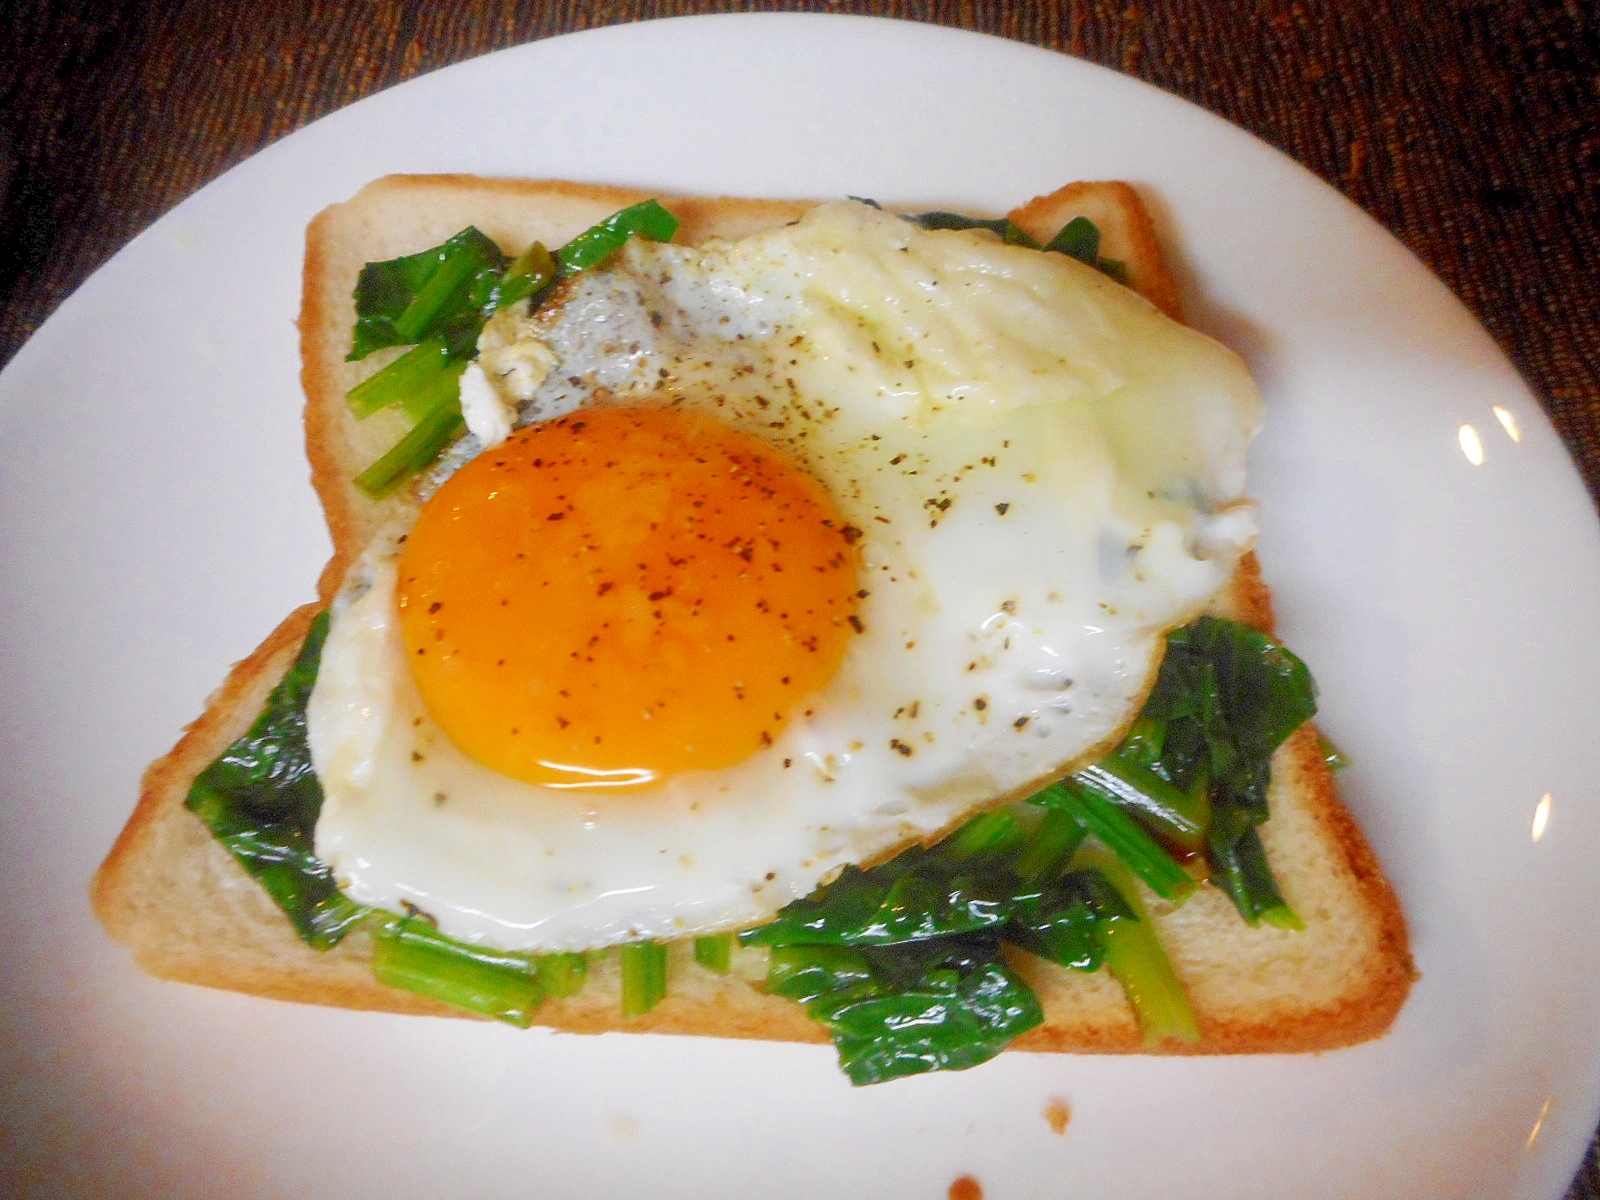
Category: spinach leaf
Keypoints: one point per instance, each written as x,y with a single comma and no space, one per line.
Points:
409,953
890,904
1064,920
902,961
1105,816
598,243
1227,696
260,798
902,1010
532,271
437,302
644,976
967,883
1264,691
1079,238
1003,227
440,291
435,429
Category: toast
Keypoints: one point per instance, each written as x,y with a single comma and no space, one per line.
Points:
173,894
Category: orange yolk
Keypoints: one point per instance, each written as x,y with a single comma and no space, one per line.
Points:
622,594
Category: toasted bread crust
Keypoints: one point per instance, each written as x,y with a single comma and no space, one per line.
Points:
1126,233
170,891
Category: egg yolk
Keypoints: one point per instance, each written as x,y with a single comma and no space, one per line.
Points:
625,593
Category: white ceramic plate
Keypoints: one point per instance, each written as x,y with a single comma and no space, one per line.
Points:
155,521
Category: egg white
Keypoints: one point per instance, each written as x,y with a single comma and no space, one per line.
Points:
1046,473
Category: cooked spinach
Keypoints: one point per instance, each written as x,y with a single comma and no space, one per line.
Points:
438,292
437,302
1227,696
1002,227
260,798
1079,238
939,1005
598,243
903,961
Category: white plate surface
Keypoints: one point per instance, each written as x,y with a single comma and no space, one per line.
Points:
155,521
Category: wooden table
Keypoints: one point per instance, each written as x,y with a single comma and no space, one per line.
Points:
1471,129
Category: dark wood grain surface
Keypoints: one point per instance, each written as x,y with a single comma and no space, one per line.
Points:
1471,129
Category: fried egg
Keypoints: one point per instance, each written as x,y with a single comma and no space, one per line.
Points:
808,546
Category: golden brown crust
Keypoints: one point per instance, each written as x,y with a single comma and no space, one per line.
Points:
322,428
191,913
1366,1011
1126,233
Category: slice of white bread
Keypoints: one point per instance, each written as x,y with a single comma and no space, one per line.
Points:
170,891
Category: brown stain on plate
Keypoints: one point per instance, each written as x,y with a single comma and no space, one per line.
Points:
966,1188
1057,1114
